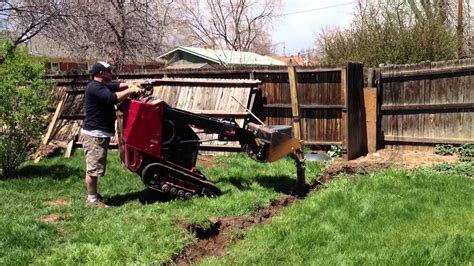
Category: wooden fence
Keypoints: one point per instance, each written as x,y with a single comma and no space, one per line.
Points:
331,99
426,103
416,105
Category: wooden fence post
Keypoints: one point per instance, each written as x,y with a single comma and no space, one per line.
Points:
344,126
354,114
295,107
295,111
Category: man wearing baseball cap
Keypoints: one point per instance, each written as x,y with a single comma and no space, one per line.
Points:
98,127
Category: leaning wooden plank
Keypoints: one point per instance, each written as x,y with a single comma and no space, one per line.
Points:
52,124
69,149
295,108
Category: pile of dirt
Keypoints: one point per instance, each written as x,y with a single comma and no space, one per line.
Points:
350,168
46,151
214,238
406,159
383,159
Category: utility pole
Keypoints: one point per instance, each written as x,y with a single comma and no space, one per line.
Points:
460,29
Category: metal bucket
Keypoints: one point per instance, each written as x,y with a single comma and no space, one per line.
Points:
276,140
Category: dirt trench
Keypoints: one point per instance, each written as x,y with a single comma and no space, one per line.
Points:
214,239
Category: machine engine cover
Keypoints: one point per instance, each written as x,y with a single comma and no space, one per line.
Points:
140,136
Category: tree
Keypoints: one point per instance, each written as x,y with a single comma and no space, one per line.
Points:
118,30
24,19
393,31
24,95
239,25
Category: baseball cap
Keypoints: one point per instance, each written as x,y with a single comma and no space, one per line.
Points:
99,67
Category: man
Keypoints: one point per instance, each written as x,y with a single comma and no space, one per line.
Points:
101,95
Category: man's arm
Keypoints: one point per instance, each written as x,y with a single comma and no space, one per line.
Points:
122,95
114,95
126,91
123,86
122,90
115,86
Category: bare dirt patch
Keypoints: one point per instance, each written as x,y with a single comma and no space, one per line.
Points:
208,161
213,239
406,159
54,218
350,168
383,159
58,202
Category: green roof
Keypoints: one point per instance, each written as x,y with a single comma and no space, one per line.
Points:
227,57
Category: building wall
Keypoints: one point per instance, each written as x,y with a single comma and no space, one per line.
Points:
186,58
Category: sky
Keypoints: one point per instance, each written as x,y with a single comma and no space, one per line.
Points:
299,31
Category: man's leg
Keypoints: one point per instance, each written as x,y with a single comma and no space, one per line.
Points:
95,150
91,185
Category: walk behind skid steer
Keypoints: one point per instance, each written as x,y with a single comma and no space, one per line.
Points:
156,141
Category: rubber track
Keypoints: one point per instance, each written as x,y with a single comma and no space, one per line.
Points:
191,179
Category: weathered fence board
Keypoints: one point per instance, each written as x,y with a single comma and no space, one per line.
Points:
211,97
427,103
322,95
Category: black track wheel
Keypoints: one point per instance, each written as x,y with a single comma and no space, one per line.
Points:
210,192
153,175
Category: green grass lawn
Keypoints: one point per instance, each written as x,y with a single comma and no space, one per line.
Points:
138,229
423,216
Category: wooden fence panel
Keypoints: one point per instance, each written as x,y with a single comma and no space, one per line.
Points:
427,103
320,94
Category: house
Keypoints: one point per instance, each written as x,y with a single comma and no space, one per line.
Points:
193,57
62,61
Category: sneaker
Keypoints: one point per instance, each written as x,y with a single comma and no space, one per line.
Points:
96,203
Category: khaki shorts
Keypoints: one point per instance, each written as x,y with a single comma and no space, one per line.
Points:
95,150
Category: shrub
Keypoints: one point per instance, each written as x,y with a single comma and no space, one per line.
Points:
24,95
466,152
392,32
335,151
444,149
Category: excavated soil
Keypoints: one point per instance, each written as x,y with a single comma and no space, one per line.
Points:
46,151
405,159
383,159
214,238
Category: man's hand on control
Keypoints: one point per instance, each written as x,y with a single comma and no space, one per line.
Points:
131,88
135,89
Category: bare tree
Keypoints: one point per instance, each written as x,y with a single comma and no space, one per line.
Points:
24,19
240,25
119,30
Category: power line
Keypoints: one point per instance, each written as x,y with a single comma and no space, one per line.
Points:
314,9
